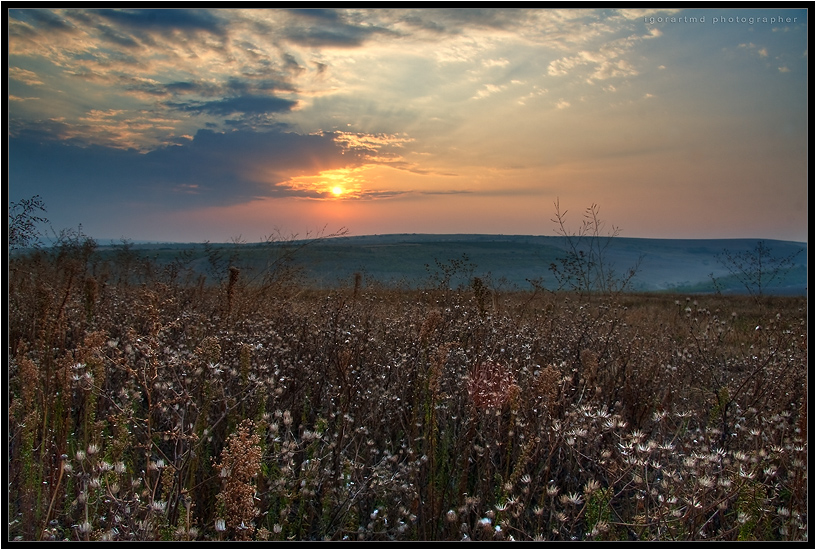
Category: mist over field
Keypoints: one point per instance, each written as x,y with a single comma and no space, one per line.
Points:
506,262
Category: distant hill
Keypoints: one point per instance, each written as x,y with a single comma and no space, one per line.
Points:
503,261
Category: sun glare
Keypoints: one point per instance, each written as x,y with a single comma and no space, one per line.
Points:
339,183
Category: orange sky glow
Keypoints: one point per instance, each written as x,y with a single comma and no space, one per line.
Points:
193,125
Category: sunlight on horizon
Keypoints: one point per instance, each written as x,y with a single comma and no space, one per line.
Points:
329,184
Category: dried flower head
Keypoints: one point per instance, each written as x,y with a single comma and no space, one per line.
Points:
491,385
241,460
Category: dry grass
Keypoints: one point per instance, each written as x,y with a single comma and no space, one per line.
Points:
142,407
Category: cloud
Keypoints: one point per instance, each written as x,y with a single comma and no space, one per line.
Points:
382,149
612,69
25,76
213,169
495,62
607,62
488,90
254,69
41,19
317,14
536,92
114,36
761,52
448,192
454,21
250,105
163,19
328,28
640,13
372,143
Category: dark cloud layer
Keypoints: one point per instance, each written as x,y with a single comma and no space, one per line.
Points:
327,27
251,105
214,169
40,18
163,19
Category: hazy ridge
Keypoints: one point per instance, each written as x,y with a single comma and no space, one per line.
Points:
503,261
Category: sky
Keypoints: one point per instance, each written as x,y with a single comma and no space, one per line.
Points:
193,125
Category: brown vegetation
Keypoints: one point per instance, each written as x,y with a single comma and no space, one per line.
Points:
147,406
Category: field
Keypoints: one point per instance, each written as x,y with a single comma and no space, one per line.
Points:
149,403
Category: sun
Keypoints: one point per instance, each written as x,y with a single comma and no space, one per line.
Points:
333,185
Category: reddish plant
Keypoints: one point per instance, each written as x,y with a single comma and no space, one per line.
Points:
491,385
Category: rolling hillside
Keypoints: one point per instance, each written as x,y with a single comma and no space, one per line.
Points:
503,261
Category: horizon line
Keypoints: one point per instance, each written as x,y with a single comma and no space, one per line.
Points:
295,238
